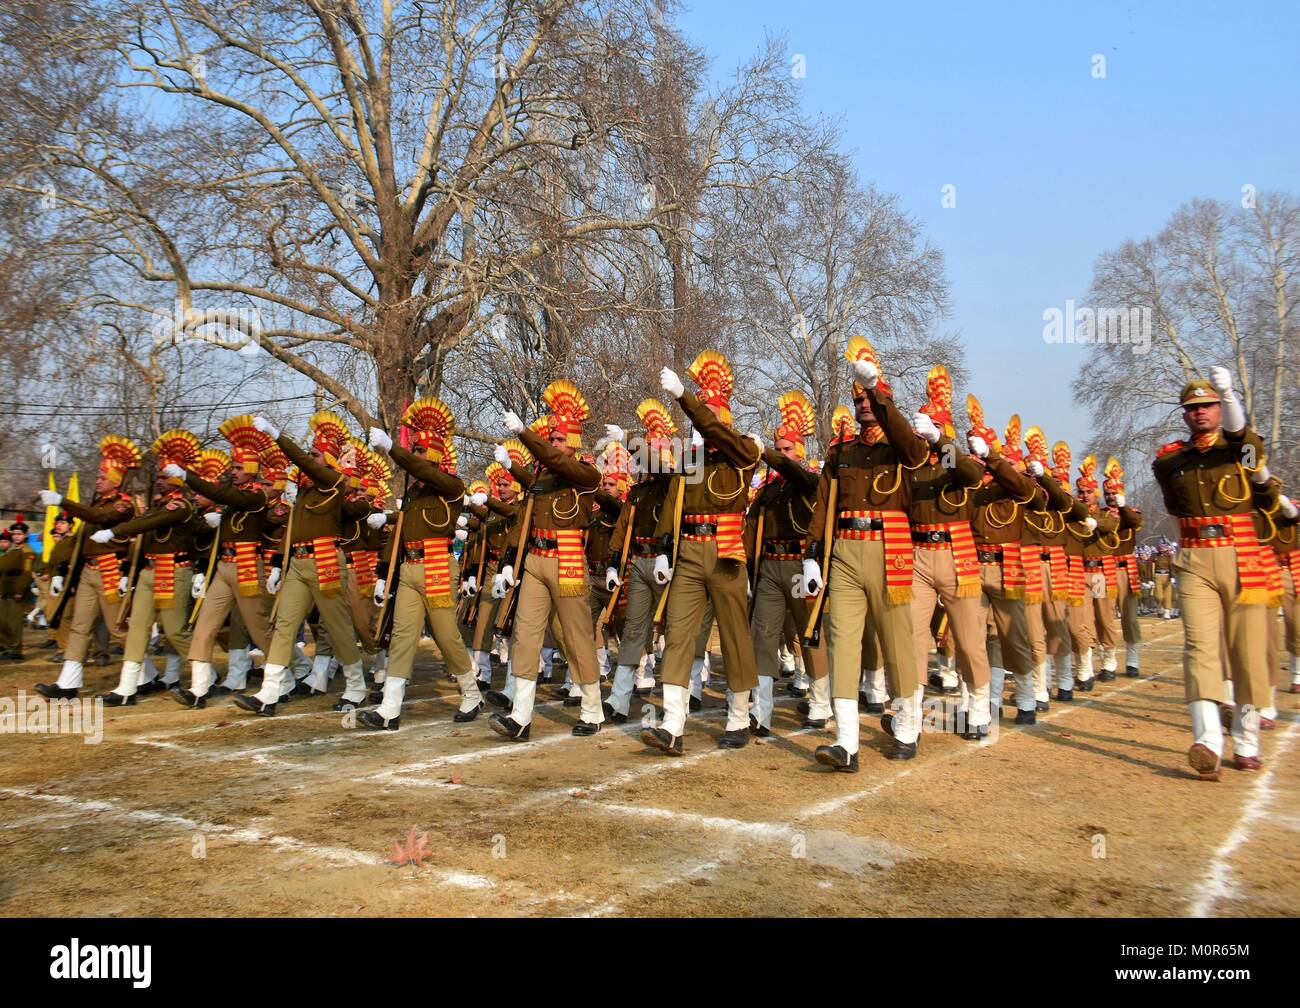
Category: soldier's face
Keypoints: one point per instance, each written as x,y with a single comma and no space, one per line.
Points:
240,478
104,485
862,412
610,486
560,442
507,494
787,448
1201,418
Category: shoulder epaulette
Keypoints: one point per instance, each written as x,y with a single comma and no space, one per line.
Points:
1172,446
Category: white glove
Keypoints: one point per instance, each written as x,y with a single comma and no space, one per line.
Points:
196,586
508,575
697,439
812,577
213,518
499,586
470,587
50,499
377,519
1091,523
172,471
1288,508
462,535
758,441
290,493
797,589
1119,500
1260,476
501,455
478,499
273,581
122,584
613,432
1231,416
1035,467
612,580
512,422
670,383
264,425
102,536
663,573
924,426
379,439
978,446
379,592
868,372
462,521
56,585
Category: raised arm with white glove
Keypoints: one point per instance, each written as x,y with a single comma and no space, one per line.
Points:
266,427
50,499
512,422
670,383
868,372
173,471
978,446
501,455
380,439
924,426
478,499
212,518
1231,416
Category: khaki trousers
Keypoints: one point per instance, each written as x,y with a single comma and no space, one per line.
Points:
363,610
1008,646
858,593
300,591
1291,637
1083,631
700,578
642,594
1127,602
11,625
411,609
221,597
1214,620
1103,610
774,603
87,606
1164,591
934,578
539,600
173,622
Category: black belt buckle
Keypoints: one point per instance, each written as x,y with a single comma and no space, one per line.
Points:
700,528
534,542
1045,555
228,553
988,556
1092,564
300,551
415,554
931,536
862,524
1215,531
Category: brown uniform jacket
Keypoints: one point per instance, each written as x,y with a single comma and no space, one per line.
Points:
942,494
1198,484
101,513
432,502
318,511
647,498
167,527
245,510
562,492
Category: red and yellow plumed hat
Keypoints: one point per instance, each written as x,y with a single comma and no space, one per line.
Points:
616,461
247,443
211,464
659,427
860,349
118,456
978,425
1011,443
938,407
175,447
798,420
352,461
498,477
568,410
1114,473
481,486
1036,446
711,372
275,464
1061,461
842,424
1087,474
432,424
329,434
450,459
374,473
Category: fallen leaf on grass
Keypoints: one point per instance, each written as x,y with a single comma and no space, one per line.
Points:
457,778
578,794
602,745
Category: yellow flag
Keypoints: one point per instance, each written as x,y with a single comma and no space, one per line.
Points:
47,536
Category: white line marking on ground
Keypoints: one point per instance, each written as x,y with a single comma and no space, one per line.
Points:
1217,883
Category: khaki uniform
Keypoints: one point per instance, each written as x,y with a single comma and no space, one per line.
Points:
641,591
93,598
498,529
1164,579
1216,566
15,591
430,509
714,498
872,479
1126,599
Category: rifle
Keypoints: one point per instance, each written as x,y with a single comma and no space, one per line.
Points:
286,556
812,634
677,536
207,577
384,633
758,559
506,613
75,566
132,575
470,615
608,612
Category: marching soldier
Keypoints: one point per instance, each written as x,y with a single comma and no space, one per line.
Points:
1047,579
310,566
945,568
1128,579
1288,559
609,502
554,571
1206,482
1164,578
644,507
239,572
500,513
776,536
704,523
164,558
426,564
95,583
15,589
862,502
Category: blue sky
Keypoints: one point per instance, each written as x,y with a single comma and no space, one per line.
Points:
1051,166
